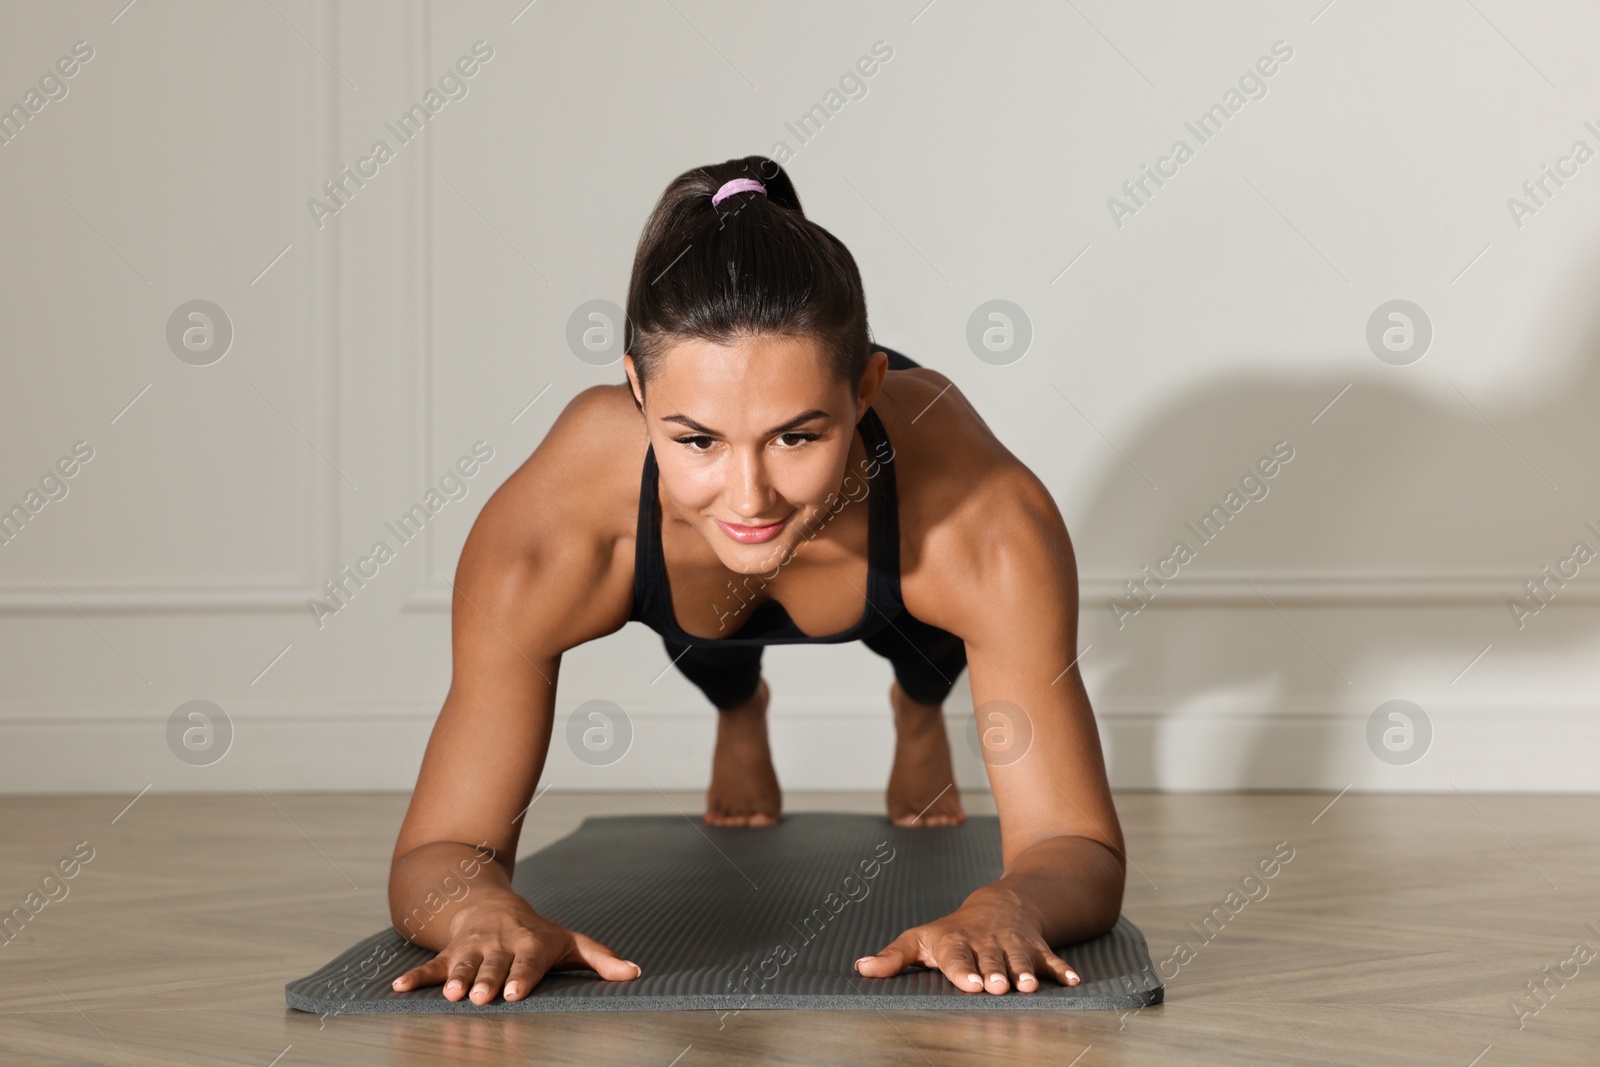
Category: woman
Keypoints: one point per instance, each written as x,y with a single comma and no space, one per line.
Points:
718,498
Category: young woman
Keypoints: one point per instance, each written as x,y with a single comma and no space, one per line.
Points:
767,475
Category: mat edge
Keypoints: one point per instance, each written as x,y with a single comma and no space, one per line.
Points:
791,1002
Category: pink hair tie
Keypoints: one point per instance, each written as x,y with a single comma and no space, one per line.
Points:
737,185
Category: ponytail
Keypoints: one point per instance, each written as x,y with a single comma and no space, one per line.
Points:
750,264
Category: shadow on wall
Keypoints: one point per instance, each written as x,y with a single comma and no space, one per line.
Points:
1410,490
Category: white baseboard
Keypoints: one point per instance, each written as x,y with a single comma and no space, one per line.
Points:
366,748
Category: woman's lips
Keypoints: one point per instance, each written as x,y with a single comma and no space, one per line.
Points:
750,535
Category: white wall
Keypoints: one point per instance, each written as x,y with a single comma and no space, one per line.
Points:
1219,318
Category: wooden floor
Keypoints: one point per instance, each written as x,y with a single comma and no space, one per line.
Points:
1401,931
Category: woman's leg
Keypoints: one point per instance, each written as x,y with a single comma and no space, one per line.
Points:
744,786
926,660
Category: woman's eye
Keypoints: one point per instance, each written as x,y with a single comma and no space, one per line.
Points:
701,443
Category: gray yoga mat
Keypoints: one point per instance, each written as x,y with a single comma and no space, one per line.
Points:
734,918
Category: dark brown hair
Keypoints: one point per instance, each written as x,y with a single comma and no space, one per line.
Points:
752,264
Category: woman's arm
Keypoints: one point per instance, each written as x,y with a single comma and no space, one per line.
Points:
536,577
1062,845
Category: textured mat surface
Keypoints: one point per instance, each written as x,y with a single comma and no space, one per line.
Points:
734,918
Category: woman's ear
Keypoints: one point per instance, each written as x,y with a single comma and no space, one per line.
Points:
871,382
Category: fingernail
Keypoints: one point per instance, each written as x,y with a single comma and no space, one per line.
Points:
395,984
997,978
862,960
974,978
511,990
637,970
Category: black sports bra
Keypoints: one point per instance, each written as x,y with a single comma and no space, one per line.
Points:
769,624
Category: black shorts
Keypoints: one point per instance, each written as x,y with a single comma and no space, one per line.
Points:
927,660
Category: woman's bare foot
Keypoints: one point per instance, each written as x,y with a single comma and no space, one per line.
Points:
922,789
744,786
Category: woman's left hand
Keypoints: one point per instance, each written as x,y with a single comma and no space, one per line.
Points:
989,944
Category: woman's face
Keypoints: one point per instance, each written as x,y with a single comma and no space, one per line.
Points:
751,439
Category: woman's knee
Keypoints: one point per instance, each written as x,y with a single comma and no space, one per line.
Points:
926,687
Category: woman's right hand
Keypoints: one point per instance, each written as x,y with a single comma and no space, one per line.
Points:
501,940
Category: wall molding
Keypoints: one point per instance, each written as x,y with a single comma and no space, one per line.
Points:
428,592
158,600
1310,588
1299,590
322,547
418,227
363,746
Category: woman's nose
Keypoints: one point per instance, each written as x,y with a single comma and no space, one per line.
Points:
749,490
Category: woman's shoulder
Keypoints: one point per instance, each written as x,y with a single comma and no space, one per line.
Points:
585,471
948,460
960,492
571,506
